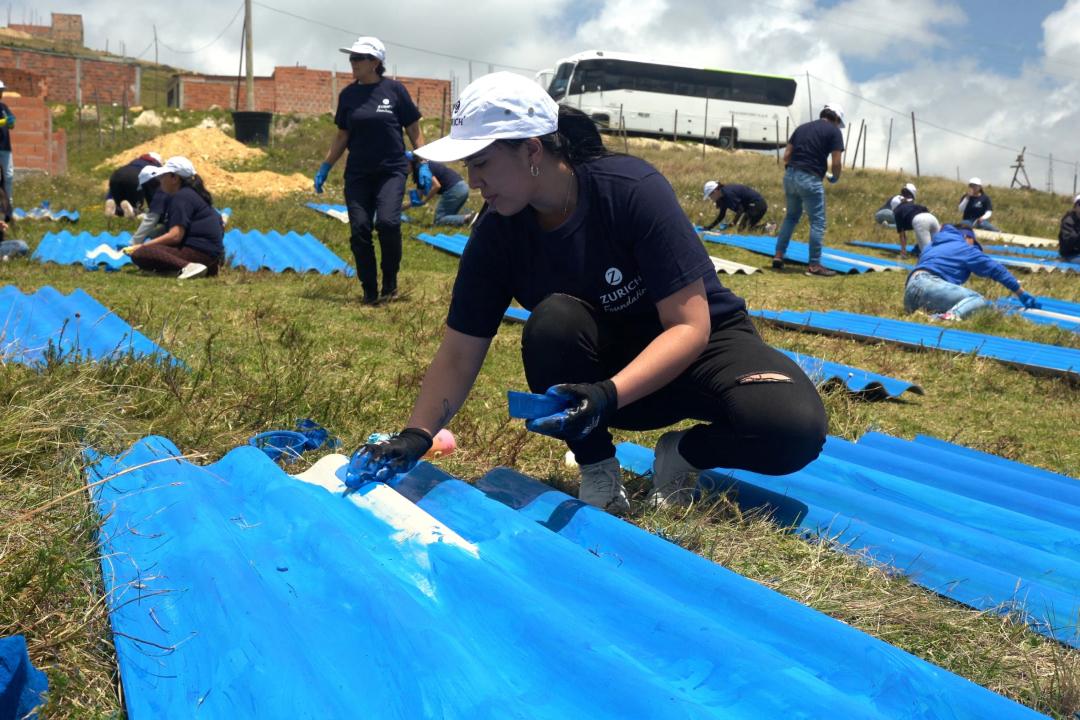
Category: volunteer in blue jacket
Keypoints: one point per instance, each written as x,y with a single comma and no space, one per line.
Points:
443,181
193,244
7,165
629,324
371,114
976,206
936,285
745,202
810,147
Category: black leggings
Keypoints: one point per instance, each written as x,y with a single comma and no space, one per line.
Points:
754,212
761,411
124,185
375,200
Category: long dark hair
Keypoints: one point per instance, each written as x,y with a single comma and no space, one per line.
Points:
576,141
381,70
195,183
830,116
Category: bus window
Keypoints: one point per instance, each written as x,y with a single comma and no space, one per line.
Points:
561,82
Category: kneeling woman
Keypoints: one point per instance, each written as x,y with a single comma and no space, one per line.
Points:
192,244
629,322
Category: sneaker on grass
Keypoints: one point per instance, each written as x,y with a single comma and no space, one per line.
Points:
192,270
125,207
820,271
110,207
778,263
674,479
601,486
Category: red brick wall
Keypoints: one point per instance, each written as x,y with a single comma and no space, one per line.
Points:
40,31
34,145
107,82
65,28
201,94
106,79
25,83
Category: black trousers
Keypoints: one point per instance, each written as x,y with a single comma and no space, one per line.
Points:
754,212
759,410
375,200
124,185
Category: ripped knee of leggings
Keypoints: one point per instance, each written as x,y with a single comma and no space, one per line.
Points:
764,377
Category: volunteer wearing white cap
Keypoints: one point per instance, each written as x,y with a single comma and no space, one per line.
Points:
153,220
629,326
126,194
884,214
909,215
7,165
976,206
371,114
810,147
744,201
1069,233
193,244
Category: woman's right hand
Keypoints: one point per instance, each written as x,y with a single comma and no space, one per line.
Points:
321,175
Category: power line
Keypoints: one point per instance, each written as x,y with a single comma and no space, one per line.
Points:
207,45
338,28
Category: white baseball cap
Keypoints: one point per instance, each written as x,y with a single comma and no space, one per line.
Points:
147,173
709,187
2,85
499,106
910,188
975,181
366,45
1076,199
837,110
895,202
178,164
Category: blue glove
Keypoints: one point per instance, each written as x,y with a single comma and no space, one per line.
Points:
424,178
414,198
590,405
321,175
10,120
381,461
833,179
1029,301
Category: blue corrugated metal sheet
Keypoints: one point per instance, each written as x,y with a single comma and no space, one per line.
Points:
1036,357
1063,314
254,250
22,685
44,212
799,252
338,212
238,591
453,244
49,325
855,379
989,536
251,250
1018,250
1031,264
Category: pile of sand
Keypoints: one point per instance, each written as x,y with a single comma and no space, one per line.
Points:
208,149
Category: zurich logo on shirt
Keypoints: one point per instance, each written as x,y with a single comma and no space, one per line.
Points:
613,276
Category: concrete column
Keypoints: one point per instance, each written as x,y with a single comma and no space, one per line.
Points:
138,85
78,82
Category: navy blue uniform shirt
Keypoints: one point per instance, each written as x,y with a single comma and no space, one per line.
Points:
904,213
159,201
738,197
811,145
374,116
627,245
977,207
5,132
201,222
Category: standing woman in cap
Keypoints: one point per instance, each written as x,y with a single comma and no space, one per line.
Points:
629,327
193,244
7,165
810,147
371,114
976,206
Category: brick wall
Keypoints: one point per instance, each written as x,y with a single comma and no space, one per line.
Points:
65,28
34,144
65,75
25,83
297,90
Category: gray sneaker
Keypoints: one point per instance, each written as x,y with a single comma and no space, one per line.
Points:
601,486
192,270
125,207
674,479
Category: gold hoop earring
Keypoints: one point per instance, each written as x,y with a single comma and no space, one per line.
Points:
534,171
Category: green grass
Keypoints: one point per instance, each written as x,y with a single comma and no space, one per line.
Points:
264,349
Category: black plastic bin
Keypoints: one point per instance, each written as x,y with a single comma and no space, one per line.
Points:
252,126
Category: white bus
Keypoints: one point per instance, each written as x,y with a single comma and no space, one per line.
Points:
729,108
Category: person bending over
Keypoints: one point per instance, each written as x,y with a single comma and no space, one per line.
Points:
884,215
441,180
126,194
936,285
745,202
909,215
629,323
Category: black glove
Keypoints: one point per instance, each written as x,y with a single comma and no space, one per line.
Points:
381,461
591,405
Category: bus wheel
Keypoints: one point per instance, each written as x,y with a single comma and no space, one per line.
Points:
726,138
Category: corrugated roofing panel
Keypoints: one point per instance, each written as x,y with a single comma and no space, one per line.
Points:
1063,314
254,250
1036,357
1031,264
799,252
453,244
44,212
953,528
1025,251
338,212
86,249
49,325
730,267
1023,240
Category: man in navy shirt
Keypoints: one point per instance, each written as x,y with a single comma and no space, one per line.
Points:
371,115
976,206
629,326
453,192
745,202
810,147
7,165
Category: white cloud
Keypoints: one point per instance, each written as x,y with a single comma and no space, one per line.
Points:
886,29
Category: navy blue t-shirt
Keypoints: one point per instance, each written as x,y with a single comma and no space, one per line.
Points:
904,213
738,197
5,132
977,207
159,201
446,176
811,145
374,116
626,246
201,222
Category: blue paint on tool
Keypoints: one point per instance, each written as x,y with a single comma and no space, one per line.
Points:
529,406
22,686
993,546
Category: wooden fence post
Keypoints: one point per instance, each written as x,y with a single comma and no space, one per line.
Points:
705,129
847,143
888,147
865,136
858,141
915,140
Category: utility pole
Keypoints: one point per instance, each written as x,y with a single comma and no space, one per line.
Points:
155,46
1050,176
249,57
809,98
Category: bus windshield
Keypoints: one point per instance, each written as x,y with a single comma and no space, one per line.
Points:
561,81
